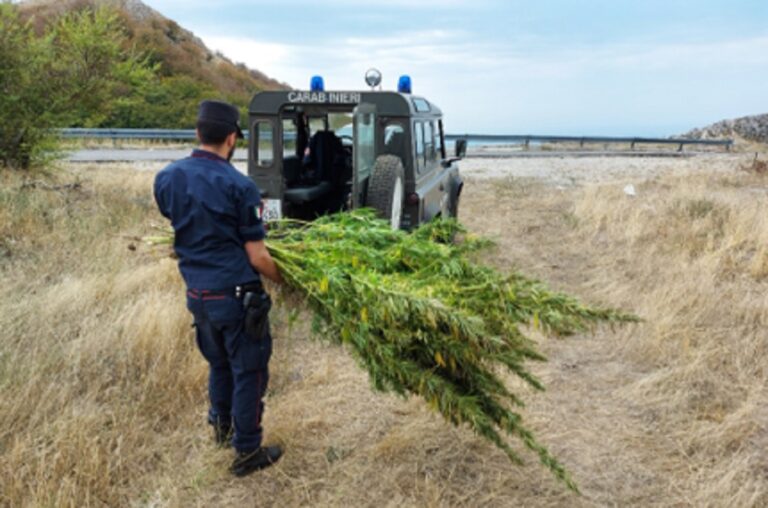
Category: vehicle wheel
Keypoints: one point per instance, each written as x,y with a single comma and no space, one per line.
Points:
386,189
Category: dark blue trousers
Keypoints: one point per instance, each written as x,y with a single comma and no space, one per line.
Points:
238,375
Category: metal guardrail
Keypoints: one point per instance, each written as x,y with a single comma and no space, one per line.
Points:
144,134
525,140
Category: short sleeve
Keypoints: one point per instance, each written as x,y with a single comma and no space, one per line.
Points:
250,210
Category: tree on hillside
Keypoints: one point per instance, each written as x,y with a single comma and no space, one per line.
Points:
25,123
112,84
95,72
169,102
76,74
88,64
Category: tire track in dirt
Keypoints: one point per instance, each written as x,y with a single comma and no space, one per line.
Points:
609,443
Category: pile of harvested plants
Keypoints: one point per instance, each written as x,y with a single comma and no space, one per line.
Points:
422,318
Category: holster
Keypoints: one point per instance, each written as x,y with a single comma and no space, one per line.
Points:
256,303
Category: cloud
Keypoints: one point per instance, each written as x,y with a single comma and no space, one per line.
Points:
264,56
744,51
343,60
409,4
330,4
524,86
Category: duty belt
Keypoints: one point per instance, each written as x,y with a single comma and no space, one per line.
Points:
208,294
219,294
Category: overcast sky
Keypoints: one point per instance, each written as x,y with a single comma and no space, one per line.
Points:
600,67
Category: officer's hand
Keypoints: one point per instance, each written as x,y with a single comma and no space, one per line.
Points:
262,261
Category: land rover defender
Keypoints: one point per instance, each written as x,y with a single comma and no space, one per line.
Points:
318,152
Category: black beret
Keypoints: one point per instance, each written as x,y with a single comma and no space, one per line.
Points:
220,113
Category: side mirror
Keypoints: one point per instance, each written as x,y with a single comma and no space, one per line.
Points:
461,148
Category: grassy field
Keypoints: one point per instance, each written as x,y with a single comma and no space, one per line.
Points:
102,390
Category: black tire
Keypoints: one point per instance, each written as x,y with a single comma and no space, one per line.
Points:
386,189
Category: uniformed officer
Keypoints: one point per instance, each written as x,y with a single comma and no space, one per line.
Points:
219,238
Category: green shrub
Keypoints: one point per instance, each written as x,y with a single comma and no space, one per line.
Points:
75,74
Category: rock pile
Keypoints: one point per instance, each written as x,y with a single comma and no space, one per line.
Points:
751,128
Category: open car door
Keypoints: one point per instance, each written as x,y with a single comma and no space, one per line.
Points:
364,150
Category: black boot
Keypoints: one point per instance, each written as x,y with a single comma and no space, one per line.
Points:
248,462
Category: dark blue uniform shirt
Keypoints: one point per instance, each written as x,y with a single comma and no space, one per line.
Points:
214,210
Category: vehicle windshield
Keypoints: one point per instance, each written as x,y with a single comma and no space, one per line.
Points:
341,124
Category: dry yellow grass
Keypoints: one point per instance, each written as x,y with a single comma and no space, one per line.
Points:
102,391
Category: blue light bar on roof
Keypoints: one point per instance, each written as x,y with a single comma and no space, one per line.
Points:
404,85
317,84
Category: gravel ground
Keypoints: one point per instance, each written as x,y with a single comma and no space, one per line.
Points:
562,171
575,171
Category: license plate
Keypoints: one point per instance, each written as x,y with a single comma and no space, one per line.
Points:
273,210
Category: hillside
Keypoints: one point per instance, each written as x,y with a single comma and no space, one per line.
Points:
749,128
188,69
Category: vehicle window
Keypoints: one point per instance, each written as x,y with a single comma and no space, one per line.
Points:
341,123
316,123
439,140
429,141
421,105
394,139
419,131
289,138
263,146
365,154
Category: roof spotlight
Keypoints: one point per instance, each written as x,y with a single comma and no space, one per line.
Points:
373,77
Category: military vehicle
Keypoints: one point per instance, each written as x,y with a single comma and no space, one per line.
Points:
317,152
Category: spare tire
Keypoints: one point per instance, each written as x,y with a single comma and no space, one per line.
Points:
386,189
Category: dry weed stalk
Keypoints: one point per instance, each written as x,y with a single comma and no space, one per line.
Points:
102,390
756,166
696,250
